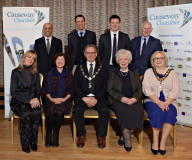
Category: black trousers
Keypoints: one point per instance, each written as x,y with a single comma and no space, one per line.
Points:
101,107
29,122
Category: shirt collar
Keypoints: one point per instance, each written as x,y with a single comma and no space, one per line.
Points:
78,32
112,33
50,38
88,63
147,38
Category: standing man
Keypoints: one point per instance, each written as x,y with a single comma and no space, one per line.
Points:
142,49
46,47
90,84
112,41
77,40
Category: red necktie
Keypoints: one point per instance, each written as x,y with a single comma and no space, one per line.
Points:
144,46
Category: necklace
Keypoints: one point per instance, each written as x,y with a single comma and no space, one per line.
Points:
163,78
90,78
124,73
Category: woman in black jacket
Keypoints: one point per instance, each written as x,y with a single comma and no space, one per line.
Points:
124,96
25,93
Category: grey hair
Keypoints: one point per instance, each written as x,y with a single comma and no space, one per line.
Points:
123,52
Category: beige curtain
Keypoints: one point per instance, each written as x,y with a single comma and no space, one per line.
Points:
96,12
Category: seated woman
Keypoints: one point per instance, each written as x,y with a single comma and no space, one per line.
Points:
58,90
161,87
124,96
25,93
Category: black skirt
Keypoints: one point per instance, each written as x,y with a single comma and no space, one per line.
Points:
129,116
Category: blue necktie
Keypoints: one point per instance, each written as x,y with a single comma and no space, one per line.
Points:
114,49
81,33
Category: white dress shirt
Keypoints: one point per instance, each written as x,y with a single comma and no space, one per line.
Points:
117,38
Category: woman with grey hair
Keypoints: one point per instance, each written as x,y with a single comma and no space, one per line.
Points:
161,88
124,96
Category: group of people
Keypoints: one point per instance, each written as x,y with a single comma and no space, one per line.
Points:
115,83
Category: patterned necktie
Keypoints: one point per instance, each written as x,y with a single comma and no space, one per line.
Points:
114,49
144,46
91,70
48,45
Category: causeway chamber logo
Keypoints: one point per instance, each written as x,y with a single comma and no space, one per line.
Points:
27,17
187,16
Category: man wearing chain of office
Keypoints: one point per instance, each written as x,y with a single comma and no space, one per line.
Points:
90,84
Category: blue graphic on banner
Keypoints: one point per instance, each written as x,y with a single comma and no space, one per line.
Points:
8,50
18,47
40,16
186,16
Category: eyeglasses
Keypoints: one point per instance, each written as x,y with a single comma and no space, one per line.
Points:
90,53
158,58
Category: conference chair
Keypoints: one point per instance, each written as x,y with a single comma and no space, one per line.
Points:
174,135
65,117
14,116
89,113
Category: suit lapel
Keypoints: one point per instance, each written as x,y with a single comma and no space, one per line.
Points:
96,68
75,41
52,46
109,39
148,45
119,40
44,44
85,68
138,46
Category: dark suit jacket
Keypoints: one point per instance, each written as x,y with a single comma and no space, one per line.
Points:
105,45
73,44
142,63
115,83
20,88
81,83
45,60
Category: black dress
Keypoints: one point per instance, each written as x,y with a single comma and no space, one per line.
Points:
128,116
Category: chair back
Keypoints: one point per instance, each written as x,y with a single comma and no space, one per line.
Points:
41,79
41,84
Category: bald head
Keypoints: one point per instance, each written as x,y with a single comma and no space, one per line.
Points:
47,30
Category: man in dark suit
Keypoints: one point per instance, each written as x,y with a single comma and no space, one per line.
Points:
90,84
142,49
112,41
46,47
78,39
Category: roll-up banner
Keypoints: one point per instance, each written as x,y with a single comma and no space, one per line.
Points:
21,26
172,25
